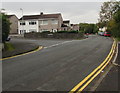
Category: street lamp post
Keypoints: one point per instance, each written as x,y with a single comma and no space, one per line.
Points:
22,21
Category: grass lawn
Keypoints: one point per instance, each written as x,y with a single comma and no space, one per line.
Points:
8,46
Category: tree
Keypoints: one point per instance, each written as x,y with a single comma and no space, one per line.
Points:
114,25
108,9
110,17
5,27
88,28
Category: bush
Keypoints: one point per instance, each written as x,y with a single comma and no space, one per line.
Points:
81,31
72,31
68,31
46,32
62,31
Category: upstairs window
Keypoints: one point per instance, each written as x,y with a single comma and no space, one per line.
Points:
54,21
22,23
32,23
44,22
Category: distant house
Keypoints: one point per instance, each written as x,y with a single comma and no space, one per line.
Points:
66,22
103,29
14,24
66,25
75,27
40,23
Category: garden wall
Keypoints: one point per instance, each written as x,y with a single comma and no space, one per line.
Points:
55,35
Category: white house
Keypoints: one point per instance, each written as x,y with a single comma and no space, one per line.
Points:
26,26
39,23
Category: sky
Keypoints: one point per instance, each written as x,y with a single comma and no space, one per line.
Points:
76,12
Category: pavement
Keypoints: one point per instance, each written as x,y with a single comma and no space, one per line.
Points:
110,84
60,66
20,47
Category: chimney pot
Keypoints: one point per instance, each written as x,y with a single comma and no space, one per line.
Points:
41,13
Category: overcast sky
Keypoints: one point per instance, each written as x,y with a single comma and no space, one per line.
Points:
77,12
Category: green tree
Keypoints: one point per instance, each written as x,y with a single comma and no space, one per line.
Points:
5,27
110,17
114,25
108,9
88,28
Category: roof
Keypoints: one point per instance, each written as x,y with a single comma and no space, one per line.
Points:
63,25
27,17
9,16
66,21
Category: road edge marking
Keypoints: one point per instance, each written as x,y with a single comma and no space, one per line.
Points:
93,72
39,48
97,73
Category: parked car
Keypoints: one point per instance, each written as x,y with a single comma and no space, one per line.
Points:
107,34
8,39
86,35
101,33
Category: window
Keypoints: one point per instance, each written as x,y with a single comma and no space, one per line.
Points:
54,21
22,23
32,23
45,30
44,22
22,31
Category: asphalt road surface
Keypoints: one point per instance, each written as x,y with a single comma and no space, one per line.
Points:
59,66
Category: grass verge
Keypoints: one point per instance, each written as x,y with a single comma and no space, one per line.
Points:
118,39
8,46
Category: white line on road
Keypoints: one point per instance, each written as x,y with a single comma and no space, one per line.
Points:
60,44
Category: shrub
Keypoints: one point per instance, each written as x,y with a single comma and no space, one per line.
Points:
72,31
46,32
62,31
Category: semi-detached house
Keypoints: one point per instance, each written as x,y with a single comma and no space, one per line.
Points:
14,24
40,23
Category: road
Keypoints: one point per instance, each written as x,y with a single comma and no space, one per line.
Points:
59,66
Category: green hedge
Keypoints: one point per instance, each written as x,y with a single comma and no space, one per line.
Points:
62,31
67,31
72,31
45,32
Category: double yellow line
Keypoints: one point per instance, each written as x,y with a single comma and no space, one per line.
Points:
87,80
39,48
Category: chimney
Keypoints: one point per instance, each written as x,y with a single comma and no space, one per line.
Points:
41,13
